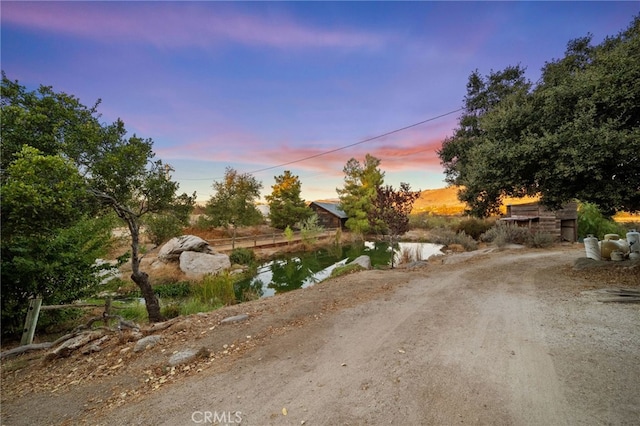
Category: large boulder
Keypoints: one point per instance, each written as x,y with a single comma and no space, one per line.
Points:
176,246
364,261
196,265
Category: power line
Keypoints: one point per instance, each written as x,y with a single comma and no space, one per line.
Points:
401,129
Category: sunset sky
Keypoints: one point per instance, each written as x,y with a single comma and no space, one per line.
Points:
254,86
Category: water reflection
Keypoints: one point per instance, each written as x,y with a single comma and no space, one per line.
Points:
300,270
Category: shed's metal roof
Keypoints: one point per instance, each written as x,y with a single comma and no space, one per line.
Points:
333,208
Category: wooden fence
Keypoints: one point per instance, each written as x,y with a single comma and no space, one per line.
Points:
35,306
266,240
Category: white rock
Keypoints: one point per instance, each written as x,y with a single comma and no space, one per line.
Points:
175,246
364,261
196,265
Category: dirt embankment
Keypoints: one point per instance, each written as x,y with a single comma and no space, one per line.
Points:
509,337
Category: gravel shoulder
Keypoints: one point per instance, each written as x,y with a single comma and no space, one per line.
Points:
513,337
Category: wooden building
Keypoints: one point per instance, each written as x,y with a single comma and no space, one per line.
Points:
561,224
330,215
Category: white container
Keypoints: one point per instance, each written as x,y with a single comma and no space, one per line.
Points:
617,256
633,238
592,248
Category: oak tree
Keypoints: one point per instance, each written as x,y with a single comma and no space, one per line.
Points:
573,135
234,201
119,172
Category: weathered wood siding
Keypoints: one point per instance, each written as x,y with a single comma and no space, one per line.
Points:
561,224
325,218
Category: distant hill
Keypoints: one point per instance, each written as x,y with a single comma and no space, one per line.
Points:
444,201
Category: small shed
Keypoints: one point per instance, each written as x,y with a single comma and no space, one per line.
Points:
330,215
562,224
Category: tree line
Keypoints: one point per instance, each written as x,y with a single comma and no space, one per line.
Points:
67,179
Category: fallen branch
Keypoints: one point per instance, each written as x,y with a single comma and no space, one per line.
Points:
83,330
160,326
25,348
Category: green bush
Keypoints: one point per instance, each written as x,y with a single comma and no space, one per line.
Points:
446,237
59,320
474,227
288,234
161,228
592,222
214,289
171,290
310,229
203,223
242,256
174,290
171,310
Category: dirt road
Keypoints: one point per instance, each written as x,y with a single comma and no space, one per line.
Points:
505,338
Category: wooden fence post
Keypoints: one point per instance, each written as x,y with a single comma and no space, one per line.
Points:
31,321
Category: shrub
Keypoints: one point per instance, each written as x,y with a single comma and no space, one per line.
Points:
592,222
242,256
539,240
447,237
310,229
171,290
506,233
474,227
288,234
215,289
203,223
172,310
179,289
425,220
161,228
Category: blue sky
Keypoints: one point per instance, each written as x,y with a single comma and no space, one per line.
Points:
253,85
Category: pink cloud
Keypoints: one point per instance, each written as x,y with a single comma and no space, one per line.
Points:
412,150
168,25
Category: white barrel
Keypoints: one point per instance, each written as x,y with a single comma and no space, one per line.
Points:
592,248
633,238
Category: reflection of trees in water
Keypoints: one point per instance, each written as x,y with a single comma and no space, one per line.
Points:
290,274
378,251
249,289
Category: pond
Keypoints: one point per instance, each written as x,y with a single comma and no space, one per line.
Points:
300,270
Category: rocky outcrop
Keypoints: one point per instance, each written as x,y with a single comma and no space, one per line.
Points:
196,265
184,243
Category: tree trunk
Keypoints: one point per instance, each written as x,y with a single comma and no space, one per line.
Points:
142,278
150,299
